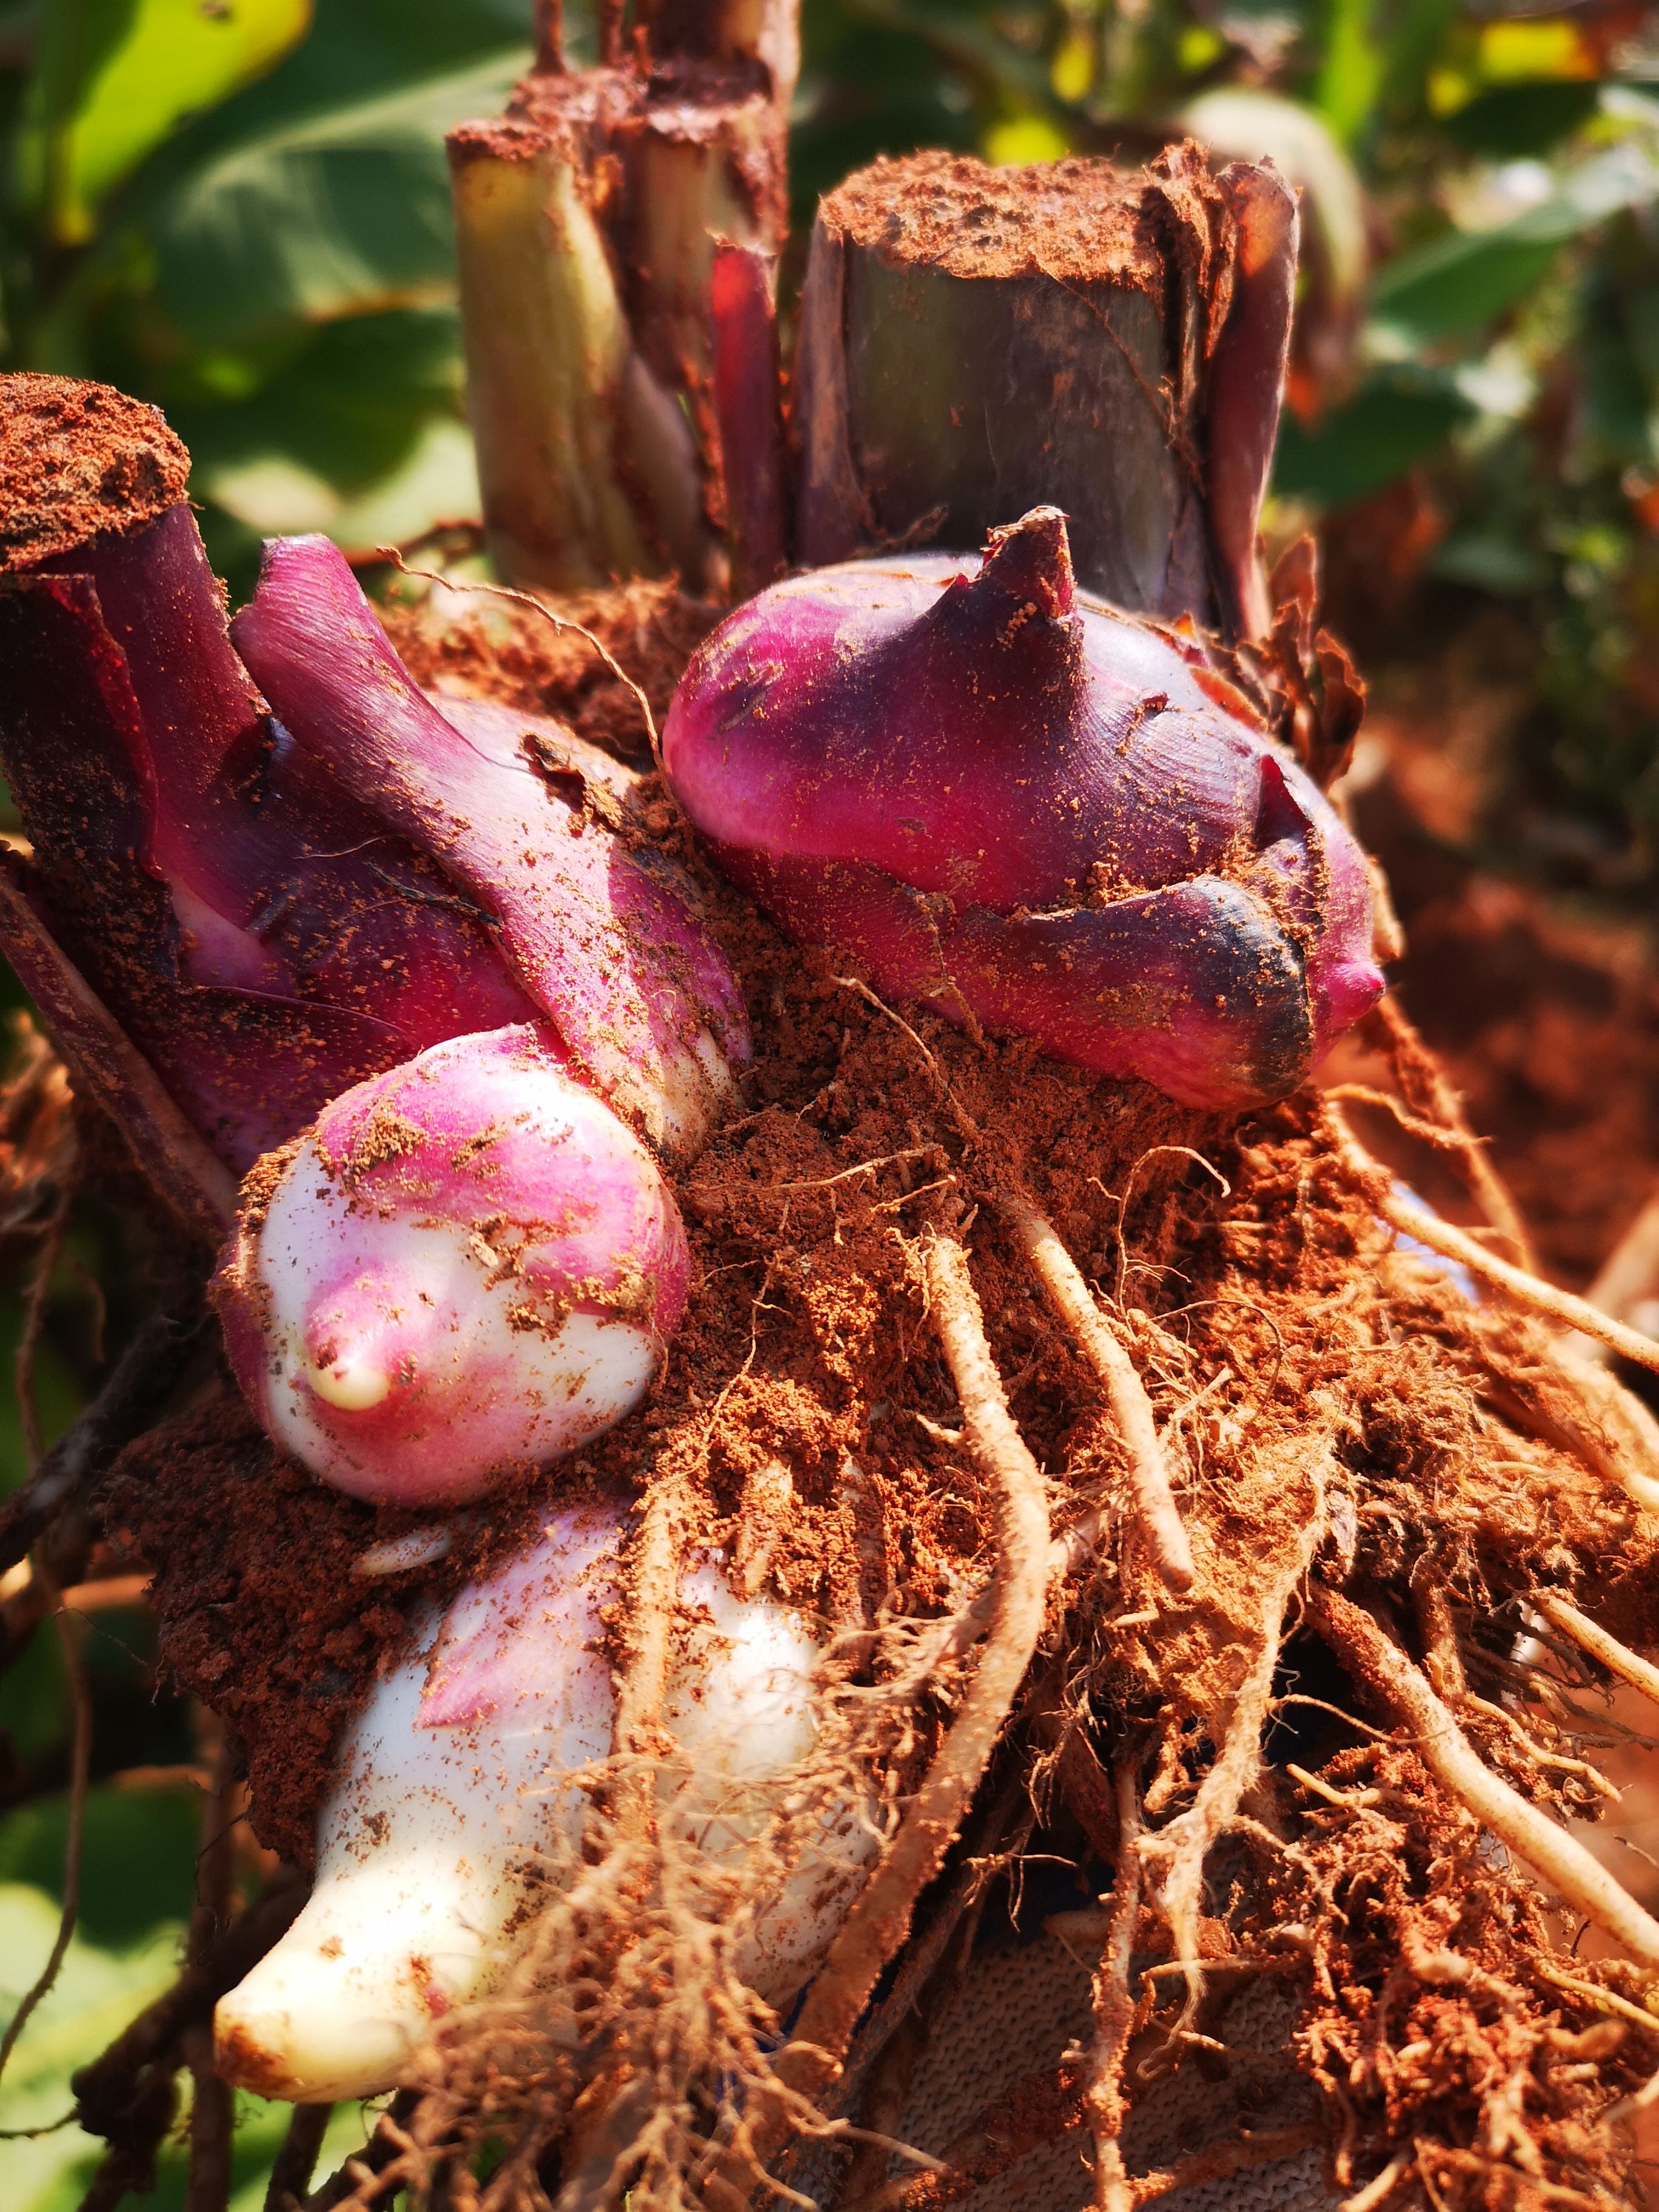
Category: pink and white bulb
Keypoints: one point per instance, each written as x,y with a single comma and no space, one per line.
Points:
465,1269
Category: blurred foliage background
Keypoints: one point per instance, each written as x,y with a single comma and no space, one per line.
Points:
239,208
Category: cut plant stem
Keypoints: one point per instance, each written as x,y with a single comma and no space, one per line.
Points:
1559,1859
556,390
1527,1290
587,220
975,342
1157,1515
880,1919
1618,1658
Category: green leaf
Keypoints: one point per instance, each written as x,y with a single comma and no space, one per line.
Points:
97,1992
138,1857
1513,120
437,481
342,215
114,77
359,433
1490,563
72,42
1351,75
346,401
358,48
1458,284
1363,446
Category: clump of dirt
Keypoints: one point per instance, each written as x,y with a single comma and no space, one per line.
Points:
77,459
1076,220
1337,1412
483,645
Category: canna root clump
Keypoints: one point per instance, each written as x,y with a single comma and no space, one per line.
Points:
1358,1455
1160,1494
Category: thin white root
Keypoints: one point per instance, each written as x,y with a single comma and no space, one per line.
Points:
1527,1290
1103,2101
1560,1860
1155,1511
1378,2191
1422,1078
1630,1274
1618,1658
1186,1843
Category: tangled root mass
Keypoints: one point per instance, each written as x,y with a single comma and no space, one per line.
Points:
1058,1628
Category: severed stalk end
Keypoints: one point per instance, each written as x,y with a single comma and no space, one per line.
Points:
77,460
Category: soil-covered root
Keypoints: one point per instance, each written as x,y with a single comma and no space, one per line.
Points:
1155,1511
1519,1283
1556,1856
1182,1848
1433,2024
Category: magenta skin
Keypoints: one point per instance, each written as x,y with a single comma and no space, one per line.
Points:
284,936
502,1638
1020,805
644,1003
277,945
468,1268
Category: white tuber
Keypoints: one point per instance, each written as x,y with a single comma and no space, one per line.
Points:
459,1799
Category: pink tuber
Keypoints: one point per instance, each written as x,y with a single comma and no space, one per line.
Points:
275,907
644,1003
465,1269
1011,801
